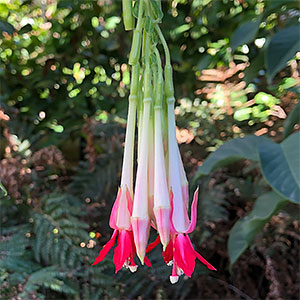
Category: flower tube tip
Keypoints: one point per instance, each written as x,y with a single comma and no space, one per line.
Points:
140,228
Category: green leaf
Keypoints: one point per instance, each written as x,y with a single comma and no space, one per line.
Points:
245,33
266,99
287,83
156,9
243,114
295,89
6,27
112,22
25,29
245,229
3,189
292,119
256,64
179,30
231,151
283,46
280,166
204,62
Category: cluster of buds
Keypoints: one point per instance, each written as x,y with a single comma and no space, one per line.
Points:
160,197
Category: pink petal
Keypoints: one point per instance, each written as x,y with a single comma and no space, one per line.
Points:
152,245
106,248
205,261
123,250
184,254
193,212
114,211
153,224
172,229
129,201
147,262
202,258
140,228
168,253
185,194
162,216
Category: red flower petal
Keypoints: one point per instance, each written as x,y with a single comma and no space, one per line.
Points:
106,248
152,245
147,262
129,201
114,211
193,212
201,258
184,254
123,250
172,229
168,253
205,261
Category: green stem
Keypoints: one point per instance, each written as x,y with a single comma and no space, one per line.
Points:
169,86
127,169
140,110
134,55
147,82
159,86
164,43
139,24
127,14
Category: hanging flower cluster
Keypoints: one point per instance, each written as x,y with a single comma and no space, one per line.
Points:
160,196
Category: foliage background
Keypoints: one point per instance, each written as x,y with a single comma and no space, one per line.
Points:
63,103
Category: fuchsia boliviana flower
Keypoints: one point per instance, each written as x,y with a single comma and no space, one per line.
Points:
120,219
160,196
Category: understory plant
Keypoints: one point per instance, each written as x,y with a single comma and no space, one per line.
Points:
280,167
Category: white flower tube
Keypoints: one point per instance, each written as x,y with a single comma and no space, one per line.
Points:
162,206
179,217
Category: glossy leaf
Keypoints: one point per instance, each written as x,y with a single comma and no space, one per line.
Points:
25,29
6,27
283,46
292,119
280,165
245,33
245,229
231,151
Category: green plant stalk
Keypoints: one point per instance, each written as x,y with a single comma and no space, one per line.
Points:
136,40
169,86
140,109
127,169
159,81
164,43
154,81
127,14
147,73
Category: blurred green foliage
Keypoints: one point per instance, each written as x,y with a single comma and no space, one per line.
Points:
63,102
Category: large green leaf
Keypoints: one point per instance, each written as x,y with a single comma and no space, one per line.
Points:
280,165
231,151
256,64
6,27
245,33
283,46
292,119
245,229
